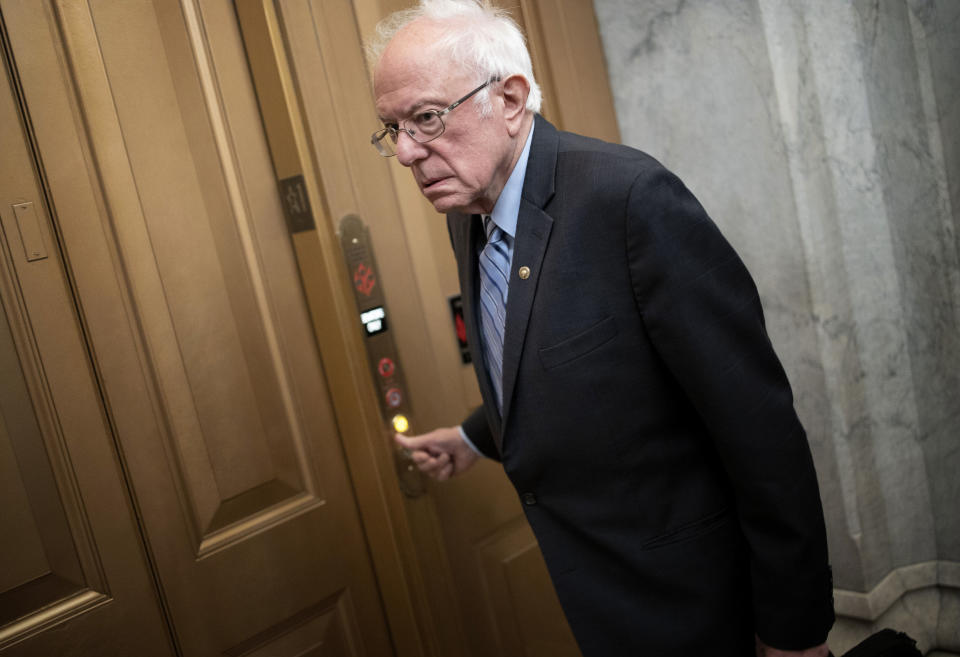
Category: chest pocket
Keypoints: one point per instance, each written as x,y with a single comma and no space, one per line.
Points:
579,345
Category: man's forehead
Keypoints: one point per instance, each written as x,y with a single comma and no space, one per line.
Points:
397,98
402,85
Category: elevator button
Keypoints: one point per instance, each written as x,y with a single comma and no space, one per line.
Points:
394,397
386,367
400,423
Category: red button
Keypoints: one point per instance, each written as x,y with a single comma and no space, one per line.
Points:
394,397
385,367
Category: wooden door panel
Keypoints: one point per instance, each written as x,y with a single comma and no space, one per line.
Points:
209,333
41,566
198,327
519,595
323,630
73,573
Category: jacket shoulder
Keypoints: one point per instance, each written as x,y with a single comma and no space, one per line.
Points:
613,165
573,146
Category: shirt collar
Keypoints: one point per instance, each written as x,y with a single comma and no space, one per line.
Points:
507,207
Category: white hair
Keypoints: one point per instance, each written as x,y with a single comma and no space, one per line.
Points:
475,35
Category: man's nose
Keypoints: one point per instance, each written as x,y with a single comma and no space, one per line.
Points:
409,150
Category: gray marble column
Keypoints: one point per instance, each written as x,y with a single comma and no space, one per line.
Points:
823,136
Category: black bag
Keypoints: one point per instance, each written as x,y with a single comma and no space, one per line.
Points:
885,643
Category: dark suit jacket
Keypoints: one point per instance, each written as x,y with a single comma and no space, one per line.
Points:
648,426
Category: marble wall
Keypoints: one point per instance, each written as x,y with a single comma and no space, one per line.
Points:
824,139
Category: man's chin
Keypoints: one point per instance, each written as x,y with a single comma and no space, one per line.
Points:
446,198
445,204
444,208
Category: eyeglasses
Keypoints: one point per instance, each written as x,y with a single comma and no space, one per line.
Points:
426,126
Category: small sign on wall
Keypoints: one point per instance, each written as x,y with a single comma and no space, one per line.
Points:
460,327
296,204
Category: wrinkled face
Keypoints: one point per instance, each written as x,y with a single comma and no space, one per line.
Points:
465,168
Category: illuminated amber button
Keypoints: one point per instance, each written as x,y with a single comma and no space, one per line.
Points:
400,423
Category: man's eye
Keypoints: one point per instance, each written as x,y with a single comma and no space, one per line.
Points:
425,118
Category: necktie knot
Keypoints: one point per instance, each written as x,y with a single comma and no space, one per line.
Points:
494,234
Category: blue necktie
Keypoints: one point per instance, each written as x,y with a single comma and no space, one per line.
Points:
494,277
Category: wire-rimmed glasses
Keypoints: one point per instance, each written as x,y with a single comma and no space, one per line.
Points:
424,126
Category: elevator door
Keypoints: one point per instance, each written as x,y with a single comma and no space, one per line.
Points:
191,347
70,552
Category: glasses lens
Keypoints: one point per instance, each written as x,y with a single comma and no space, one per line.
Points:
427,125
423,127
384,141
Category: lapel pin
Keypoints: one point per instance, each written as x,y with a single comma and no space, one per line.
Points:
524,272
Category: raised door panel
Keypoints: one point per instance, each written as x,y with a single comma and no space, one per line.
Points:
199,330
518,595
74,573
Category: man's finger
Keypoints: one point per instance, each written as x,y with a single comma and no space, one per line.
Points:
434,464
409,442
445,472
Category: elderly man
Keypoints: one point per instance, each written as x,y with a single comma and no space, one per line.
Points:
629,387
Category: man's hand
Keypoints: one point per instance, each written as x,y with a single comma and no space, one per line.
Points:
763,650
441,453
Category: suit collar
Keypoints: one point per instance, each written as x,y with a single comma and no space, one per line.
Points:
539,184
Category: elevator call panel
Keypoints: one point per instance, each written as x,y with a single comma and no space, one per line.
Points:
381,349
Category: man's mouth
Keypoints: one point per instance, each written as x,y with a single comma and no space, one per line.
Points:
429,182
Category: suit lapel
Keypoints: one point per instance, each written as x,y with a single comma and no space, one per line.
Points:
530,245
533,232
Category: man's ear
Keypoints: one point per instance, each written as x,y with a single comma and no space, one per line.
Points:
516,88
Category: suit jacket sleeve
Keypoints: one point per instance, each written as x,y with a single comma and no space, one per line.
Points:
703,314
478,431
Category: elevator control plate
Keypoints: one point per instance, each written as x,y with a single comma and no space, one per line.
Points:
373,317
